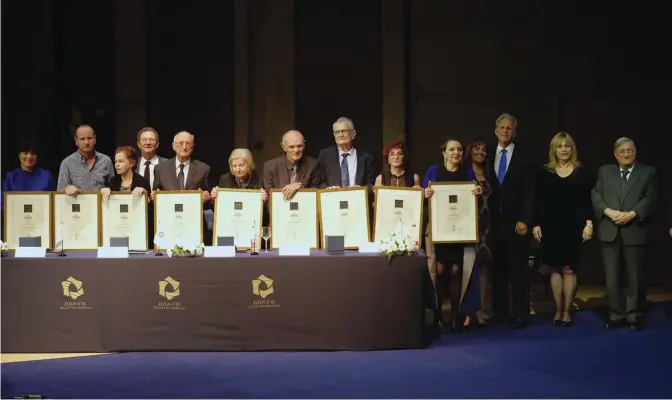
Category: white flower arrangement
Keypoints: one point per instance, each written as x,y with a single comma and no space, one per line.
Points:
183,250
3,248
398,244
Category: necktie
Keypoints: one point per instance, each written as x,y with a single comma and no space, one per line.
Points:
147,163
501,172
345,174
180,177
624,179
294,169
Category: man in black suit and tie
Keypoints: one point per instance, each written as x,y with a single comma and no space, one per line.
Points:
344,165
624,199
512,176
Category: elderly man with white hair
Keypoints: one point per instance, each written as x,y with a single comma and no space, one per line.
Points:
182,172
624,200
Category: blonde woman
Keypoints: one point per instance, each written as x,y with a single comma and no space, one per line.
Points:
563,221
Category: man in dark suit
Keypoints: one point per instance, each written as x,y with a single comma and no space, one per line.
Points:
184,173
624,199
294,170
344,165
148,143
512,176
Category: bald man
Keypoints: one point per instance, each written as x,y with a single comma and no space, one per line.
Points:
182,172
85,169
294,170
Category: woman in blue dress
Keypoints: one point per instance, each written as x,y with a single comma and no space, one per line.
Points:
28,177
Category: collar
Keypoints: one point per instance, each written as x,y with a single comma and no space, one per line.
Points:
154,160
509,148
621,169
352,153
177,163
290,166
82,159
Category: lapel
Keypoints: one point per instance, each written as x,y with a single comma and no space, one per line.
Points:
634,175
359,172
172,172
513,163
191,175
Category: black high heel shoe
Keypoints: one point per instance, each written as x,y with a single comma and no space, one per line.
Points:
556,322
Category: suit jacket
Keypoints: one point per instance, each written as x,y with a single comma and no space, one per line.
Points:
229,181
515,196
138,181
278,173
330,166
640,195
165,176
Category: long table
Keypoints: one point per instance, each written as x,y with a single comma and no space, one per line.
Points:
81,303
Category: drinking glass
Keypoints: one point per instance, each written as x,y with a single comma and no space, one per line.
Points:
266,234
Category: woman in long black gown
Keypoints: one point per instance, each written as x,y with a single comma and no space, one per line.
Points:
563,221
449,257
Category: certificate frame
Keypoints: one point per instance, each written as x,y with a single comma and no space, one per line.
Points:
48,243
240,192
364,204
61,196
104,212
277,193
182,192
390,189
462,186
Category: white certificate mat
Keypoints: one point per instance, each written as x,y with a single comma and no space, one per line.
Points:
178,217
294,222
238,213
396,204
453,213
27,214
77,221
345,212
125,215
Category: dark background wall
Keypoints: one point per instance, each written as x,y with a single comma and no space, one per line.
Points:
239,73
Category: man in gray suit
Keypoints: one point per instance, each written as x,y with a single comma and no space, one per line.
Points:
182,172
624,199
148,143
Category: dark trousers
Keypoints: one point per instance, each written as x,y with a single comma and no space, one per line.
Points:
623,269
509,266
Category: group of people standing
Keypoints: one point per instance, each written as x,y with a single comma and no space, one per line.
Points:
517,200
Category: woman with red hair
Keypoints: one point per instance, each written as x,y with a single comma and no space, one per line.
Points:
395,174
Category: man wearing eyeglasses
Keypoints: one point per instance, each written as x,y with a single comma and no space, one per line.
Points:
343,165
148,143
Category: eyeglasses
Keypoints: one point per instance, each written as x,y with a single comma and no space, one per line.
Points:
343,132
183,144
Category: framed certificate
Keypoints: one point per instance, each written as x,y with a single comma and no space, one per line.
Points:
344,212
178,217
27,214
393,205
294,221
125,215
238,213
453,213
77,221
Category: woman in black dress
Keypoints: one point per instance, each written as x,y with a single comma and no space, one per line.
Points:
449,257
126,179
563,221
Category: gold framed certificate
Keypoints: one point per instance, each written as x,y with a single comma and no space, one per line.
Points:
27,214
453,213
125,215
77,221
238,213
294,222
344,212
178,217
395,205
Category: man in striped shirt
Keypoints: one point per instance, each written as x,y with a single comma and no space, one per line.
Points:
85,169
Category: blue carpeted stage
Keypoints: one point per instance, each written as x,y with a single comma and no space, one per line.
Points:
540,361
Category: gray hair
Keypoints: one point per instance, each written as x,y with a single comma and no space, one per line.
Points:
245,154
345,120
621,141
193,138
509,117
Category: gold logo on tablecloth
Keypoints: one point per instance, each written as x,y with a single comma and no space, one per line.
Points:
263,287
169,288
73,289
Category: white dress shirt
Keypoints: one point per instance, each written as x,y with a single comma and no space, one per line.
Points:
153,163
185,170
627,178
352,163
498,156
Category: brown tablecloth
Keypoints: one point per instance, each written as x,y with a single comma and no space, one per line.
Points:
266,302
